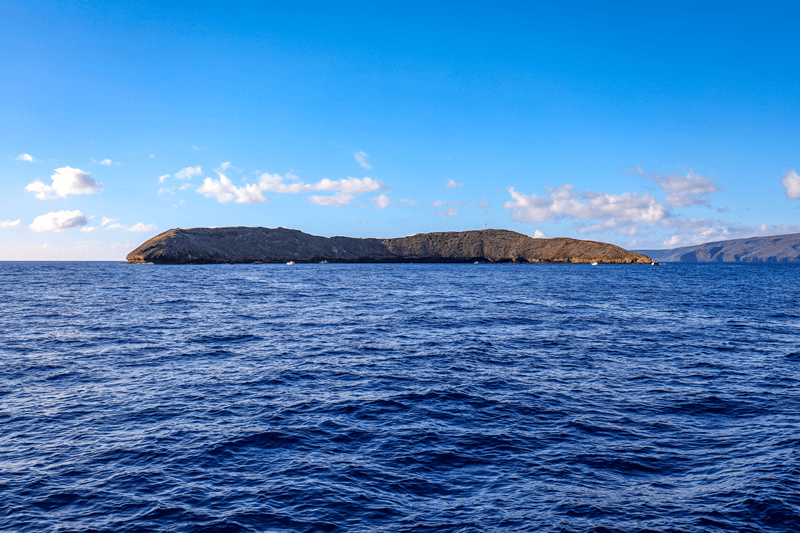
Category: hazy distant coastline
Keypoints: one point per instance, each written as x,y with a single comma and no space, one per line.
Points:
773,249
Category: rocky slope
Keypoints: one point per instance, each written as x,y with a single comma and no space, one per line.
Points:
265,245
774,249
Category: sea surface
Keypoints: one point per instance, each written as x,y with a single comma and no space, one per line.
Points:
407,397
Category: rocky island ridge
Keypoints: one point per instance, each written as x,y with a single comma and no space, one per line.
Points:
280,245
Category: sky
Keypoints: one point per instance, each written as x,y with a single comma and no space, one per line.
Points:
647,126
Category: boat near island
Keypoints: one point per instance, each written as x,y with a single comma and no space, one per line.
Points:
290,263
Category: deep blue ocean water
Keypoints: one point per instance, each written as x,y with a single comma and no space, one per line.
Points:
423,398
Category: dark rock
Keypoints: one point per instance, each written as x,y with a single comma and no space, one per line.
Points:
265,245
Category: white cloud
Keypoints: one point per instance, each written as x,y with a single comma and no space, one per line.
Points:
538,234
349,185
691,231
87,229
223,166
142,227
445,203
162,178
380,202
151,156
188,172
185,186
792,183
26,157
9,223
684,191
337,200
224,190
409,203
452,184
104,162
451,212
115,226
361,158
105,221
563,202
166,190
66,181
59,221
197,148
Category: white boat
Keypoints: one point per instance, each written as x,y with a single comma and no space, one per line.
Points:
290,263
594,264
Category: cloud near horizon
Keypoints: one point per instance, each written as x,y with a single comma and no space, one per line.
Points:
10,223
66,181
615,210
59,221
224,190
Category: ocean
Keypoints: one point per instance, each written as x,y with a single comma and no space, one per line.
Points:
405,397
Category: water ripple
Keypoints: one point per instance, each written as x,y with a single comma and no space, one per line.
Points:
463,398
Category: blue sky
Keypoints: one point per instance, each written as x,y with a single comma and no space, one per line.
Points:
645,126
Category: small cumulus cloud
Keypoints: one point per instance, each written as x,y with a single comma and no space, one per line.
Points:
361,158
722,209
188,172
347,188
87,229
223,166
104,162
684,191
105,221
59,221
409,203
26,157
197,148
445,203
66,181
224,191
185,186
538,234
452,184
792,183
162,178
564,202
10,223
143,227
380,202
337,200
451,212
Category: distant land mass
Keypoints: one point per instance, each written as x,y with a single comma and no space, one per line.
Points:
774,249
280,245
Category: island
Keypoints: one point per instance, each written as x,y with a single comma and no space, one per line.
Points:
772,249
281,245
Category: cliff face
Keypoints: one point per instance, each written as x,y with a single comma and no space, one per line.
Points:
265,245
774,249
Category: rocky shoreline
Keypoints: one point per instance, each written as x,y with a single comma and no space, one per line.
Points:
280,245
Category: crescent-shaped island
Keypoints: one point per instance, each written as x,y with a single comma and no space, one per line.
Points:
281,245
